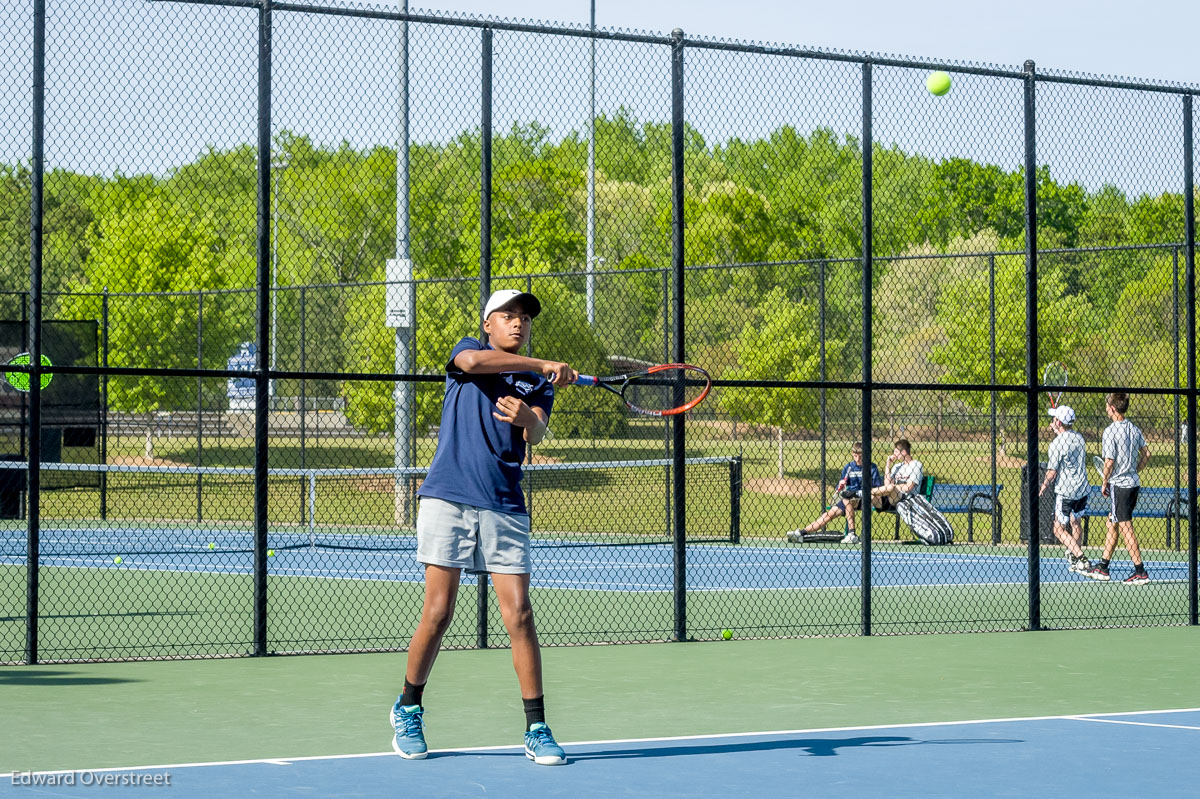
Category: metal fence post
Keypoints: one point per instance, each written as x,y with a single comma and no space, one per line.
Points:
1031,351
1175,384
1189,282
37,175
200,405
485,267
264,291
867,267
678,452
992,358
824,416
104,403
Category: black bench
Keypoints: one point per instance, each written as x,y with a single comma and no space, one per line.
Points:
1153,502
962,498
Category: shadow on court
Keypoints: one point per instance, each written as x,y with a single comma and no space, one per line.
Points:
18,676
813,747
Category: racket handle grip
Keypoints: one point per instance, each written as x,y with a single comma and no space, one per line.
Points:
587,380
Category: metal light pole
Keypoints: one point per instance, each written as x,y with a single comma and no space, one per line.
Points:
401,308
591,175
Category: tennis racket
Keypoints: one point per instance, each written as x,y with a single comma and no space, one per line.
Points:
665,390
1098,462
21,380
1054,379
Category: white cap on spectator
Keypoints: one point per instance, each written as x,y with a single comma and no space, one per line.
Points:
504,297
1064,414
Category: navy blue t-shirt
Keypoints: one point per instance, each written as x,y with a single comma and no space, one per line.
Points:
852,474
478,458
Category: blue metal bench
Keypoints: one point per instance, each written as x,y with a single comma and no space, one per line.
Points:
1154,502
970,499
963,498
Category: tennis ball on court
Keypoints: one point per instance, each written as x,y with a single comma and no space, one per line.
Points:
117,559
270,553
726,634
211,545
938,83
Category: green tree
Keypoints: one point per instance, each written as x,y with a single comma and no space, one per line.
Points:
154,247
1065,323
782,344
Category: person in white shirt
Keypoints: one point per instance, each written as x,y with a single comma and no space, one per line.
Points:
1067,471
1125,454
901,476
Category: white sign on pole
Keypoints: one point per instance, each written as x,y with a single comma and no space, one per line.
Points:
398,306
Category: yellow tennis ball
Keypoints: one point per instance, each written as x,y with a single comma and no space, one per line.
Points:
117,559
938,83
726,634
270,553
211,545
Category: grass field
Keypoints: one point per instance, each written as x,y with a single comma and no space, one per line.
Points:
770,504
118,613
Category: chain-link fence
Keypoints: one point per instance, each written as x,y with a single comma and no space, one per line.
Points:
239,241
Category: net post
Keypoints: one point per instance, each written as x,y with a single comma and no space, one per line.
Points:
678,452
1031,348
264,292
312,510
735,500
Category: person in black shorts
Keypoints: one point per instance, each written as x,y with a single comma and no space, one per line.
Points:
1067,472
1125,454
849,490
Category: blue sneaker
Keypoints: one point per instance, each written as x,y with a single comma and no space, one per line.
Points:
541,748
409,722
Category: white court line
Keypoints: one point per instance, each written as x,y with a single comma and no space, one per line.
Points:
615,741
1137,723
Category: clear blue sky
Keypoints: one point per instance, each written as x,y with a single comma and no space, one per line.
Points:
136,86
1145,39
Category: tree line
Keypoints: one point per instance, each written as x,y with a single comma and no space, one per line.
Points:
783,210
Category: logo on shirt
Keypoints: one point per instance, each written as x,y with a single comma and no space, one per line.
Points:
522,386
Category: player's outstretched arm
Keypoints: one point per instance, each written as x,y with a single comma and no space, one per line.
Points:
482,362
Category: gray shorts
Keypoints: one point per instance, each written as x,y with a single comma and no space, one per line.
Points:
479,540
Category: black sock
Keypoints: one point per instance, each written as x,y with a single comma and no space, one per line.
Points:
412,693
1103,562
1139,568
535,711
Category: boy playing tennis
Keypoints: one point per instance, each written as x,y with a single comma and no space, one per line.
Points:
1125,454
472,513
852,476
1067,470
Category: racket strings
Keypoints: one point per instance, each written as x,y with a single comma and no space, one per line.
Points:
666,389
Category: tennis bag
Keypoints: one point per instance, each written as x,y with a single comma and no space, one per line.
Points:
926,521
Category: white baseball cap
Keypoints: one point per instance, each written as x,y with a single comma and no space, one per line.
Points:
1064,414
505,297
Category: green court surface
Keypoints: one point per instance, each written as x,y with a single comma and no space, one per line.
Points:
167,712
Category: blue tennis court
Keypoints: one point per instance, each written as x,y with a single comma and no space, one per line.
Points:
1066,756
564,565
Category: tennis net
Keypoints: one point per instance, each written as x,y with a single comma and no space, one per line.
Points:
136,509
